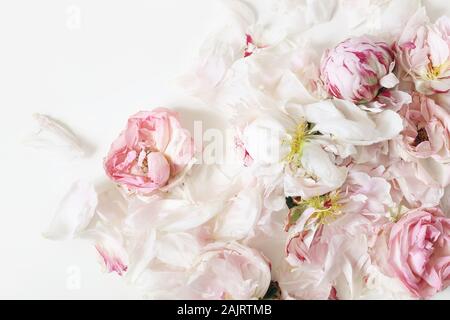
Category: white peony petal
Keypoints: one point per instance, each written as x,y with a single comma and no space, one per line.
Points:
350,124
110,247
290,88
163,284
381,287
240,216
74,213
178,249
409,31
438,49
142,251
230,270
263,139
244,13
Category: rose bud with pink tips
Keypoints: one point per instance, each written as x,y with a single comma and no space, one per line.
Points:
357,68
152,151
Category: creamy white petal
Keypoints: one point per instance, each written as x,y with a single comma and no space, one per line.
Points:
350,124
240,215
74,212
174,215
318,174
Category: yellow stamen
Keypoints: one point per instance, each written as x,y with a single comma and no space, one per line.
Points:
327,207
434,73
396,213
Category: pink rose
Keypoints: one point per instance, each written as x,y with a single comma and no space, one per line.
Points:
229,271
423,52
427,129
357,68
152,150
419,251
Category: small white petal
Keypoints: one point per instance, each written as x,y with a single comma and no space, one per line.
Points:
51,135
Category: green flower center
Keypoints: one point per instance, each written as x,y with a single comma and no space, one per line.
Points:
326,208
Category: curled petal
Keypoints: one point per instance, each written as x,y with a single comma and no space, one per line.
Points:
54,136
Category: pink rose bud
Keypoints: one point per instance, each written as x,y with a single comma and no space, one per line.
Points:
150,151
357,68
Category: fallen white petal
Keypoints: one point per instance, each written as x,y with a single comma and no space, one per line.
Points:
74,213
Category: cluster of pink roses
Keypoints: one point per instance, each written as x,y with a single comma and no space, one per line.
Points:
399,201
343,185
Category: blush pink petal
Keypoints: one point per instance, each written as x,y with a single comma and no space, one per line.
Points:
112,263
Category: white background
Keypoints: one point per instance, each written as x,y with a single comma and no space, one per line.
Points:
122,57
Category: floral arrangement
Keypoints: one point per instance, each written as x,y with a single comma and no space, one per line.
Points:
340,184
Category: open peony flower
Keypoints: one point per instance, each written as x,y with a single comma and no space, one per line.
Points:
152,150
424,53
304,283
348,211
350,124
328,236
419,183
333,256
427,130
419,251
357,68
285,148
